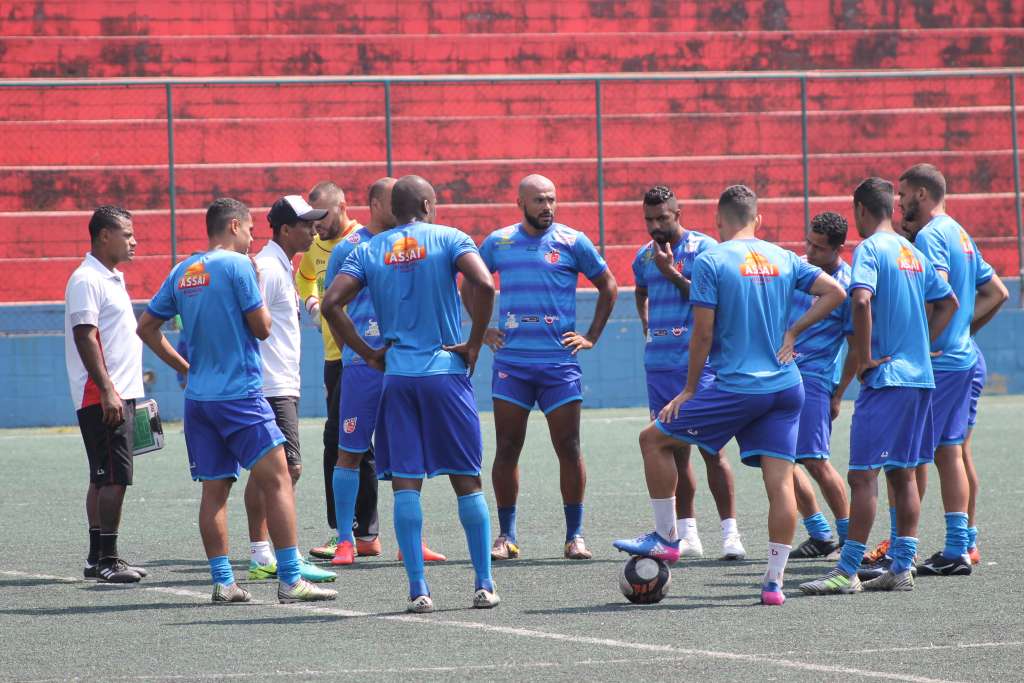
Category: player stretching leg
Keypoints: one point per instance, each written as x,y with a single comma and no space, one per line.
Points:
742,292
539,262
228,422
427,423
662,270
890,286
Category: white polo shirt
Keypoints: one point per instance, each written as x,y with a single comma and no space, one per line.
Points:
280,351
97,296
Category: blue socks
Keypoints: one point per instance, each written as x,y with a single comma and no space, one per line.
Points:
818,527
346,489
476,521
220,570
892,526
902,553
507,522
573,521
409,530
288,565
957,536
842,529
850,558
972,537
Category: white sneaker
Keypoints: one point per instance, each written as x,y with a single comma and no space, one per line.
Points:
732,547
485,599
691,547
421,604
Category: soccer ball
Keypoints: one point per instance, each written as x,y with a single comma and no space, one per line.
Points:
644,580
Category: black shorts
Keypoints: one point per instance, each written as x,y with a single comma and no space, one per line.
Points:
286,415
109,449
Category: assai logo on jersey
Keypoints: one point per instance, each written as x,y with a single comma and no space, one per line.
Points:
965,243
552,256
195,276
350,424
758,265
404,250
908,261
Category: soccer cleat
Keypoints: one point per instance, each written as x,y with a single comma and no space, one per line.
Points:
91,571
973,555
650,545
303,591
833,583
576,549
229,594
262,572
422,604
691,547
938,565
116,570
504,549
732,547
813,547
888,581
344,554
138,570
310,572
876,553
771,594
428,555
876,569
369,548
325,551
485,599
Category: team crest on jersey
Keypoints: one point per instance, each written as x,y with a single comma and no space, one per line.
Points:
908,261
510,321
195,276
502,374
350,424
354,238
405,250
965,243
758,265
552,256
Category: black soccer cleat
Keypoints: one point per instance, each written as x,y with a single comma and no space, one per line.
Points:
812,547
873,570
116,570
939,565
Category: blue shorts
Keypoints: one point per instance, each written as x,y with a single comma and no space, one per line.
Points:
549,385
427,426
814,439
665,385
891,428
951,406
222,437
360,396
977,385
763,424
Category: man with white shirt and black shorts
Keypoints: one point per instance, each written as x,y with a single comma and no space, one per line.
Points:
104,361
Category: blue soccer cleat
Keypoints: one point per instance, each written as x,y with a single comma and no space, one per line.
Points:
650,545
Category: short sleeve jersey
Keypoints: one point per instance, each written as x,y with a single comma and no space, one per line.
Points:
951,250
538,279
750,284
411,272
901,280
820,347
669,314
360,309
213,291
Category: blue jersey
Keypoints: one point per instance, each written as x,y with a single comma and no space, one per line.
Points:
359,309
538,288
750,284
951,250
820,347
901,280
212,292
410,272
669,314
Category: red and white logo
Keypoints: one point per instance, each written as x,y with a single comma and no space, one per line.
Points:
677,331
350,425
502,375
353,238
552,256
550,319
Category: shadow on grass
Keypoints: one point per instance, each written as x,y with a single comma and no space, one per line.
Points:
84,610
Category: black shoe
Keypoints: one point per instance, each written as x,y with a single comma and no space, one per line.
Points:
91,571
137,569
876,569
939,565
812,547
115,570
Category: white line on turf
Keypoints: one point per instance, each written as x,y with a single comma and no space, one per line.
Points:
756,659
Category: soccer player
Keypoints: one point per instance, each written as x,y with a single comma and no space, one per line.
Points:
890,285
104,361
291,222
228,422
818,351
427,423
957,259
742,292
662,270
309,280
360,384
535,346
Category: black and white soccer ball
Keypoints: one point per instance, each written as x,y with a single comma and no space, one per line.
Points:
644,580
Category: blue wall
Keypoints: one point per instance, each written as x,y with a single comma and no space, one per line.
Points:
32,364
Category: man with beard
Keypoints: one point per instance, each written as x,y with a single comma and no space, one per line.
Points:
539,262
662,270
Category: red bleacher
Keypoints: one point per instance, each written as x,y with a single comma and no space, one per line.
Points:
68,149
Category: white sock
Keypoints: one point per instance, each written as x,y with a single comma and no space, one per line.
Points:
665,517
729,527
778,555
687,527
260,553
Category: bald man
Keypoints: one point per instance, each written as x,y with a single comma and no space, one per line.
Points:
535,352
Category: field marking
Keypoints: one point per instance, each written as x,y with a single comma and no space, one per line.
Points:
757,659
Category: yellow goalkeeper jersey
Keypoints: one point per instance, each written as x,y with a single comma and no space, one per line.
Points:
309,280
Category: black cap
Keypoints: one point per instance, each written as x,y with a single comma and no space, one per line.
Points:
292,208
